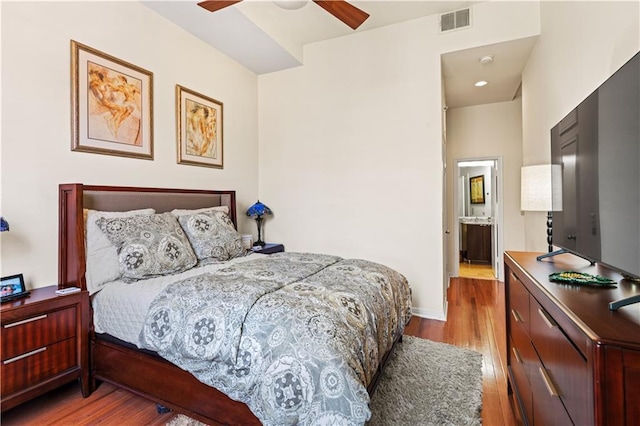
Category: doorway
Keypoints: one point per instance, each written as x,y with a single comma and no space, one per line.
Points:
478,220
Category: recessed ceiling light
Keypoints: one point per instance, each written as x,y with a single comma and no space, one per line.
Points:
481,83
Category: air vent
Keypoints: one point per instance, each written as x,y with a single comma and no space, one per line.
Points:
455,20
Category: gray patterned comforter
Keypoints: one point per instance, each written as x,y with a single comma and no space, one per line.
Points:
295,336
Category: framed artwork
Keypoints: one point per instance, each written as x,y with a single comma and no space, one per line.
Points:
476,191
111,105
200,129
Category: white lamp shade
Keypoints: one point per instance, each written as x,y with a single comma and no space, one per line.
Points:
541,188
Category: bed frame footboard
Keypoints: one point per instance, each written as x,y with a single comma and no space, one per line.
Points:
166,384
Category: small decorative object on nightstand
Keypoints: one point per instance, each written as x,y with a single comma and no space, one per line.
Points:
44,344
257,211
269,248
12,287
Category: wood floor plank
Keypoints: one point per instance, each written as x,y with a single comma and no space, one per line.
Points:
475,320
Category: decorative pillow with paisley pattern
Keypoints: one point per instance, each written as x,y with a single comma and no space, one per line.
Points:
102,256
149,246
212,236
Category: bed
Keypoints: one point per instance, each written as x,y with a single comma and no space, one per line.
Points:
282,339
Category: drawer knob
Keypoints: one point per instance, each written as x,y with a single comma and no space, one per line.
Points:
547,382
28,320
26,355
545,317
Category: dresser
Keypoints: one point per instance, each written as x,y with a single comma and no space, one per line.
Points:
570,359
44,344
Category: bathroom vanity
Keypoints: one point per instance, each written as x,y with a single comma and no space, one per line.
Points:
476,239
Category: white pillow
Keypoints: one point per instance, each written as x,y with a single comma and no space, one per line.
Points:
102,256
182,212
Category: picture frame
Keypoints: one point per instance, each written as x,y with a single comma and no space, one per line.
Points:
476,189
200,129
12,287
111,105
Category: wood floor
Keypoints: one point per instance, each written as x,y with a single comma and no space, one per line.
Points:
475,270
475,320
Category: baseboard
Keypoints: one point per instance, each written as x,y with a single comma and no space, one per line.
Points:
429,314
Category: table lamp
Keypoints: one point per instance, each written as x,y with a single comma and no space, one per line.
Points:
257,211
542,191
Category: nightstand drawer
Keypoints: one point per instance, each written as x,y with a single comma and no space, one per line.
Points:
39,364
22,336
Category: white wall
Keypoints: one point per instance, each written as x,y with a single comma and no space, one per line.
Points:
351,156
582,44
491,130
36,135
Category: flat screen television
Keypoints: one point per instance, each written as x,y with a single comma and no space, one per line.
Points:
598,146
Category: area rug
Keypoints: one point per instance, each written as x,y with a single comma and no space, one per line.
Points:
425,383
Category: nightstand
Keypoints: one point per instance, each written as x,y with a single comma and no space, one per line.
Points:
44,344
270,248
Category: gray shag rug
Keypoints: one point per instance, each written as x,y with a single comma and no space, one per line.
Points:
425,383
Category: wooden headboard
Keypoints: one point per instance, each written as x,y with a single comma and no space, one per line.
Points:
74,197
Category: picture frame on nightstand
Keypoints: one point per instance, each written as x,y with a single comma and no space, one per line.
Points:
12,287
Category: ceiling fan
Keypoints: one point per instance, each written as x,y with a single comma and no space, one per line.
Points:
347,13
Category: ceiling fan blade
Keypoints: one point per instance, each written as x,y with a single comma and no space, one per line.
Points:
213,5
347,13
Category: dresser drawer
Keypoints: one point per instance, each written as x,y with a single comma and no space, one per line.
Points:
26,335
43,363
518,304
518,369
565,367
547,407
